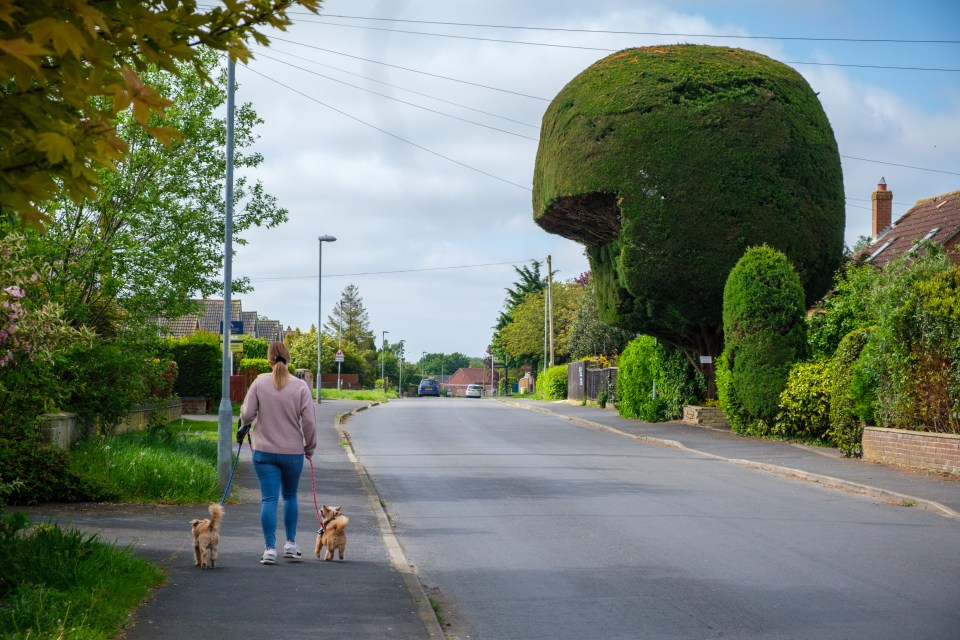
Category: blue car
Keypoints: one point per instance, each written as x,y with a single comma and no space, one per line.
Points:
428,387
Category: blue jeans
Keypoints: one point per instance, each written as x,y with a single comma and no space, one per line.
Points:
278,472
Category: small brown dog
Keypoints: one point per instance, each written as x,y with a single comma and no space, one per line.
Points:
206,537
334,535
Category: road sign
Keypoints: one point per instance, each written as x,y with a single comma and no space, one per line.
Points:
339,356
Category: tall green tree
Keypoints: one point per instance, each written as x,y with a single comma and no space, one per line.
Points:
68,69
153,238
523,337
590,335
351,319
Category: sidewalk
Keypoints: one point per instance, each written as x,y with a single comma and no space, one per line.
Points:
364,596
817,464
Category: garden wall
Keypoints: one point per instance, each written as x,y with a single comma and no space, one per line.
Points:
939,452
705,416
62,429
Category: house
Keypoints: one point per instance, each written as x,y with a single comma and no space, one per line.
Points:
272,330
936,219
457,383
249,322
212,314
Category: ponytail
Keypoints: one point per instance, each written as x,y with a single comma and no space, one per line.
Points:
278,356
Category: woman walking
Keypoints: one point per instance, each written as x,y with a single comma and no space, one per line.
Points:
283,436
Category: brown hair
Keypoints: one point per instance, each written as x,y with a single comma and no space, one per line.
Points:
278,355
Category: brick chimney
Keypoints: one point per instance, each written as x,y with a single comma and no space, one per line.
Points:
882,208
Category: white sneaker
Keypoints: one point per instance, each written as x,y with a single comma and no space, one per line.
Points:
292,552
269,557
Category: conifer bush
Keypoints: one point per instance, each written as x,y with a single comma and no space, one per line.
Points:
765,331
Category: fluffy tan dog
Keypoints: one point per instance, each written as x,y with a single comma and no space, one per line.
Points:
334,535
206,537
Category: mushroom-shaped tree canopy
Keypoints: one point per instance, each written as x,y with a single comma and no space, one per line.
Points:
668,162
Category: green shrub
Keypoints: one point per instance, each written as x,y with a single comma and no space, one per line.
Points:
255,347
105,380
849,393
255,366
846,308
553,383
38,473
805,402
765,332
635,376
199,360
646,365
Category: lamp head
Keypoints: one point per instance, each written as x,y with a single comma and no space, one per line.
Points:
327,239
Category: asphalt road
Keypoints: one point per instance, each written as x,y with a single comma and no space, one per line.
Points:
525,526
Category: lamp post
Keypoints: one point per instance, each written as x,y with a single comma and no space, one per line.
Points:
339,338
320,241
423,357
383,360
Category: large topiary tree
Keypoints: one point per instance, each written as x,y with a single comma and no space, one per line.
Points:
667,162
765,328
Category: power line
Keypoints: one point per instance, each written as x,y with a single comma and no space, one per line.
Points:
637,33
379,273
392,135
389,97
399,88
567,46
426,73
904,166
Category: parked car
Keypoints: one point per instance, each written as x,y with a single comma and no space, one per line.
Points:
474,391
428,387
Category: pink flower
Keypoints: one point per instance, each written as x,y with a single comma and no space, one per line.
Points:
15,291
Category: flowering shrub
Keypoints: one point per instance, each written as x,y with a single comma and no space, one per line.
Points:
31,328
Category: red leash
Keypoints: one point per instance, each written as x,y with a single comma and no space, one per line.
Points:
316,505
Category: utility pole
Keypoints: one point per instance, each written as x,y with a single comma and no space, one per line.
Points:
550,303
225,414
545,304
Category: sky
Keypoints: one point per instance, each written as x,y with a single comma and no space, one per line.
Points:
431,205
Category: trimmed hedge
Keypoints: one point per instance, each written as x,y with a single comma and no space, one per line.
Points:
255,365
199,359
668,161
764,325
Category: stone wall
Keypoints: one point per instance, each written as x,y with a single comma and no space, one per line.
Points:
705,416
139,417
939,452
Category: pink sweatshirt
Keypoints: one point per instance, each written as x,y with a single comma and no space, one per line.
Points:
285,418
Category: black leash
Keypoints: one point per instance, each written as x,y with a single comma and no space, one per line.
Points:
241,433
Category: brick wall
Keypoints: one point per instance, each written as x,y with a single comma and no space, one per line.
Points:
939,452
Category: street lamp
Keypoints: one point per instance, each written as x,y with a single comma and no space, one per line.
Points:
423,357
383,360
320,241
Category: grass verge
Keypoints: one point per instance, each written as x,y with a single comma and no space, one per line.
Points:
163,466
369,395
62,583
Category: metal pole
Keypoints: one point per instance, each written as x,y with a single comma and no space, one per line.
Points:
550,298
225,414
319,310
320,241
339,338
423,357
383,360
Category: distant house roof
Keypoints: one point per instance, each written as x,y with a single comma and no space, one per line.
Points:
249,323
270,329
469,375
185,326
935,219
213,314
